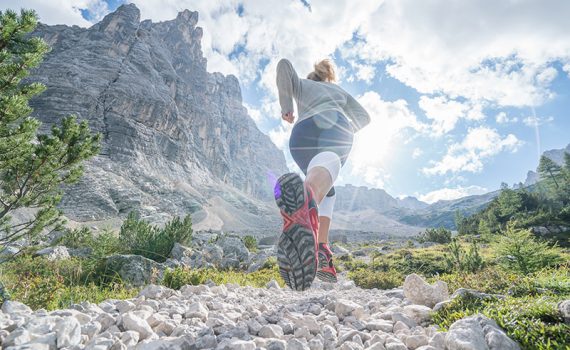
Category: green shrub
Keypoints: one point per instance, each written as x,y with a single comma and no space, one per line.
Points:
367,279
459,260
40,283
180,276
533,322
518,250
439,235
141,238
76,238
250,243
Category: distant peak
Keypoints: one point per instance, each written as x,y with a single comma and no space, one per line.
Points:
129,12
188,16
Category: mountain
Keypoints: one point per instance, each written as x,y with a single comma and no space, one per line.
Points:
176,139
557,155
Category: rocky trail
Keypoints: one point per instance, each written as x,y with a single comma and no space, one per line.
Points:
327,316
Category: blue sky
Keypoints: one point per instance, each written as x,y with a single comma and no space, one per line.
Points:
463,95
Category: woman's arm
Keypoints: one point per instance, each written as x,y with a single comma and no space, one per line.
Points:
357,114
288,85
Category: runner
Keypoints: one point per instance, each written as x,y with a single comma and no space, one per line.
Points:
320,143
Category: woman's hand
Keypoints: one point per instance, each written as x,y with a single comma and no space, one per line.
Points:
288,117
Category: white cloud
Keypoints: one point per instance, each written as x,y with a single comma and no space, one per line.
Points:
61,11
503,118
468,156
280,135
451,193
417,152
462,49
534,121
445,113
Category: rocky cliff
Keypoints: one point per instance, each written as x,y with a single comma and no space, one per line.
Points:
557,155
176,139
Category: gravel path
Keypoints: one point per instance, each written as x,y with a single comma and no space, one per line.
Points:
232,317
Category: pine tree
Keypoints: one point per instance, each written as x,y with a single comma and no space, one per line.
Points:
33,166
550,172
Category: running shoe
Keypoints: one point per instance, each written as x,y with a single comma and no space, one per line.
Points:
326,271
297,245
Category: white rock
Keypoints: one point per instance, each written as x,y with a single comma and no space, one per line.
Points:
49,339
380,325
329,333
54,253
419,313
296,344
316,344
197,310
156,292
29,346
438,340
428,347
415,341
130,338
466,334
276,344
564,308
10,307
419,292
91,329
344,308
131,322
105,320
236,344
273,285
271,331
376,346
18,337
68,332
396,346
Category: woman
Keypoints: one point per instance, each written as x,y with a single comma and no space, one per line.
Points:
320,144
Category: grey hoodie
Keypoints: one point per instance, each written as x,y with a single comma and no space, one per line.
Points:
316,97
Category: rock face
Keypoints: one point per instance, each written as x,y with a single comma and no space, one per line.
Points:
176,139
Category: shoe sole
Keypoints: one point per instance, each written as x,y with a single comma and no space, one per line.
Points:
324,275
296,255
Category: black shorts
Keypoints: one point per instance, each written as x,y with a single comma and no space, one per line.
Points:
318,134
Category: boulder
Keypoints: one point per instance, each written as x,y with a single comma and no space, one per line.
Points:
420,292
179,252
564,308
478,333
135,270
54,253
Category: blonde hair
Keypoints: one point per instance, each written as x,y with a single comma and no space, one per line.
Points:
324,71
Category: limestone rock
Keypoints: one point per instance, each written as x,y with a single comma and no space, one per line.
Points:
135,269
419,292
176,139
478,332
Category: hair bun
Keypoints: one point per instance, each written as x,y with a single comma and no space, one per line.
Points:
324,71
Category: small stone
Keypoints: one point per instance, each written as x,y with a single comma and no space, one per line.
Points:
11,307
437,340
18,337
395,346
132,322
419,313
376,346
296,344
130,338
156,292
344,308
380,325
276,344
271,331
68,332
197,310
415,341
316,344
273,285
